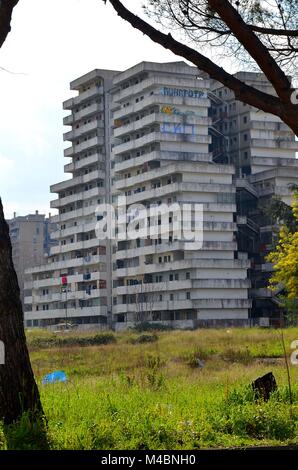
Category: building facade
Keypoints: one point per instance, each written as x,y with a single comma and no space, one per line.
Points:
31,240
161,144
262,150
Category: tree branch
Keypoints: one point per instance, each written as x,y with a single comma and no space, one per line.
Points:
6,7
274,32
243,92
254,47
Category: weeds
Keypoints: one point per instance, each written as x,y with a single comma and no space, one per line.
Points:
120,396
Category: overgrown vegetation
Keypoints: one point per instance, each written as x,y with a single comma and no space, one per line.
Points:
131,394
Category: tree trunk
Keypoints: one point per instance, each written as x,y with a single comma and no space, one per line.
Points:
18,389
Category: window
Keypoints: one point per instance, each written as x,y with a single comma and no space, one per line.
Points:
171,296
187,275
188,295
171,277
245,137
245,119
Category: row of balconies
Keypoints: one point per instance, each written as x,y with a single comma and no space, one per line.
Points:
86,178
190,284
218,304
180,188
283,143
203,264
201,105
64,265
75,214
158,81
123,165
66,296
83,162
72,313
152,137
76,246
82,97
85,129
274,161
88,144
159,118
81,196
179,167
57,281
94,108
73,230
169,247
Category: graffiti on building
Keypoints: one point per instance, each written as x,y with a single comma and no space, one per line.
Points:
182,92
171,110
177,128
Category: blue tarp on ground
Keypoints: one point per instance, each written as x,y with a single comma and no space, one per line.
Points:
57,376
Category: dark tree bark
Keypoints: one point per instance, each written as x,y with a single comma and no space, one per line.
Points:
18,389
6,8
284,105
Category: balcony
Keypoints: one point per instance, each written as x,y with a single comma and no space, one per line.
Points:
160,118
81,196
83,162
77,247
88,144
63,297
71,182
170,169
159,81
153,137
162,100
178,188
84,96
203,264
75,214
63,265
72,313
73,279
282,143
82,130
74,229
155,306
83,113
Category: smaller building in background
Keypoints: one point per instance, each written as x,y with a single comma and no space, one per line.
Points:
31,242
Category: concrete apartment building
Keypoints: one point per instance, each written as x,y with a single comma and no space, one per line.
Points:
30,239
73,285
161,156
162,134
262,150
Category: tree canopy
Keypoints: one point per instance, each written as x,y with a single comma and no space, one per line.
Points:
285,258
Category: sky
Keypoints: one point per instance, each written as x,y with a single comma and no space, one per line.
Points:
52,42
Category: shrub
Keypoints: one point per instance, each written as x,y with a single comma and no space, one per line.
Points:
238,355
193,358
144,339
55,341
147,326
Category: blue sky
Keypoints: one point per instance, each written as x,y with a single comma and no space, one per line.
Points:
53,42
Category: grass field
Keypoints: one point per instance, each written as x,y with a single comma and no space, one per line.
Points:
146,390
